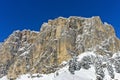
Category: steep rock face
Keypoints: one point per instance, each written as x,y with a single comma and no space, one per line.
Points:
0,45
13,48
58,41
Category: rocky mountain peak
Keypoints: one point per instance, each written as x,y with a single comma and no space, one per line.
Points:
90,31
58,40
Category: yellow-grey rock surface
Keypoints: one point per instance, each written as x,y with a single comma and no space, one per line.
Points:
58,40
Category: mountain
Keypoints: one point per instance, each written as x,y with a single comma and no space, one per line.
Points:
0,44
59,40
83,74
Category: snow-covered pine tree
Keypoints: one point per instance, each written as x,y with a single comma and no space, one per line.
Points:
98,68
74,65
117,64
71,66
110,70
86,61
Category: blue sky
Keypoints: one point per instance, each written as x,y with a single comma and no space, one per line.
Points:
30,14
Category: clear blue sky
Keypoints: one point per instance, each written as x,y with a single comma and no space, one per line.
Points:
30,14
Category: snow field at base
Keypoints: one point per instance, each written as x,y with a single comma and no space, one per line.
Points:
64,74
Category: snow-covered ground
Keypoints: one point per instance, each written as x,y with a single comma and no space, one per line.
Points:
64,74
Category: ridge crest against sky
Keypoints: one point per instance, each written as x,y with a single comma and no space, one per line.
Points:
30,14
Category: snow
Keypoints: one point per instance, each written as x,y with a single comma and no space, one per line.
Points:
25,53
105,23
35,32
64,74
117,76
79,75
21,49
4,78
116,54
63,63
85,54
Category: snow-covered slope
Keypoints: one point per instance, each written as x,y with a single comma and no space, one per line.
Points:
65,74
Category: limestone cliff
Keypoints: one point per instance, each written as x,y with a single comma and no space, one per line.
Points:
58,40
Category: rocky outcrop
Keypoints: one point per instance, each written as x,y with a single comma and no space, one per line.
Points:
16,45
0,44
58,40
